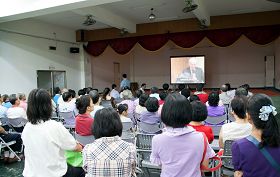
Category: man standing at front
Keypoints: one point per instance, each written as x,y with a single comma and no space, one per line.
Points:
125,82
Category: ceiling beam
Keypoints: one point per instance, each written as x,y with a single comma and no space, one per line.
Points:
11,12
201,13
107,17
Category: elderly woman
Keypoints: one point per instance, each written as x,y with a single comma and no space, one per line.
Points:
45,140
214,109
108,155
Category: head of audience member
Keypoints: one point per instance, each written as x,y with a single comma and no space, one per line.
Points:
5,98
181,87
142,99
84,104
152,104
106,92
81,92
14,100
64,90
138,93
124,76
56,90
241,92
122,109
228,86
176,111
165,86
239,106
72,92
126,94
94,96
163,95
143,86
154,90
200,112
246,86
88,90
21,97
263,116
114,86
224,88
199,87
39,106
107,123
213,99
194,98
66,96
186,93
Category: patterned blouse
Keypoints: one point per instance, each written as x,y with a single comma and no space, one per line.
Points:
109,157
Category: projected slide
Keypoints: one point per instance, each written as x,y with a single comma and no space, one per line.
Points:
187,70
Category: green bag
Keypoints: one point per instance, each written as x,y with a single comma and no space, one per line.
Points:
74,158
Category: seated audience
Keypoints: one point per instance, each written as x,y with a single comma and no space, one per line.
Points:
230,91
109,155
199,114
131,107
81,92
143,87
247,87
66,105
114,92
165,87
138,93
162,96
252,156
83,119
240,128
3,109
214,109
203,96
23,102
154,93
193,98
126,92
96,101
6,102
56,91
123,112
139,109
224,97
151,116
45,140
241,92
60,98
181,87
179,149
106,100
186,93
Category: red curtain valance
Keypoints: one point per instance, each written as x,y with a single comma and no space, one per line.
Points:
220,37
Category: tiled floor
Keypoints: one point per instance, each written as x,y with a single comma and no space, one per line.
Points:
11,170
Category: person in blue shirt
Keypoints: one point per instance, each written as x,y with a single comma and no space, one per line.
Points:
125,82
56,91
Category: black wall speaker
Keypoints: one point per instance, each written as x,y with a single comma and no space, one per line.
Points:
74,50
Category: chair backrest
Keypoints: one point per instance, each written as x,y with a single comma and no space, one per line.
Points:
84,140
17,122
149,128
216,120
69,118
106,103
4,120
227,160
126,126
144,141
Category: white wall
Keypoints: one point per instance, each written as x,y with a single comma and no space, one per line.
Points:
277,63
243,62
21,56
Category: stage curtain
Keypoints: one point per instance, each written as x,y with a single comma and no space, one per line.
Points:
220,37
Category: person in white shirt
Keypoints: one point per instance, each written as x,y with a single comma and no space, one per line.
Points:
60,99
224,97
143,87
45,140
114,92
154,93
96,101
67,105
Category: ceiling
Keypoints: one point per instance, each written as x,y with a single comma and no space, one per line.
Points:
128,13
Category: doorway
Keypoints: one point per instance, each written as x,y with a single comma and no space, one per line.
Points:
117,74
48,79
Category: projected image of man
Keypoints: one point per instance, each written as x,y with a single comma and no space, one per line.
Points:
192,74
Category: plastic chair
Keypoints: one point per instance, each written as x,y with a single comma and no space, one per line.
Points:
127,134
150,128
227,167
4,144
17,124
69,119
216,123
84,140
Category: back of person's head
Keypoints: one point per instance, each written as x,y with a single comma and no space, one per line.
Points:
264,117
199,111
88,90
176,111
163,95
114,86
126,88
142,99
13,98
21,96
106,91
143,85
94,96
127,94
106,123
122,107
224,88
165,86
124,76
56,90
81,92
64,90
246,86
186,92
228,86
241,92
39,106
239,106
138,93
181,87
5,98
66,96
193,98
199,87
72,92
213,99
83,103
154,90
152,104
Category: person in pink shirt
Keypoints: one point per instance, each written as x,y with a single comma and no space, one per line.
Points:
23,102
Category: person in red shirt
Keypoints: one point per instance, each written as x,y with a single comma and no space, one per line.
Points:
201,94
199,115
83,120
162,97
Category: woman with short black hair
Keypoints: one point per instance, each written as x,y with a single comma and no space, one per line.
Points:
108,154
151,116
213,108
43,136
179,149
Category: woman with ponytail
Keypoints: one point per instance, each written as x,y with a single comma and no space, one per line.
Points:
259,153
